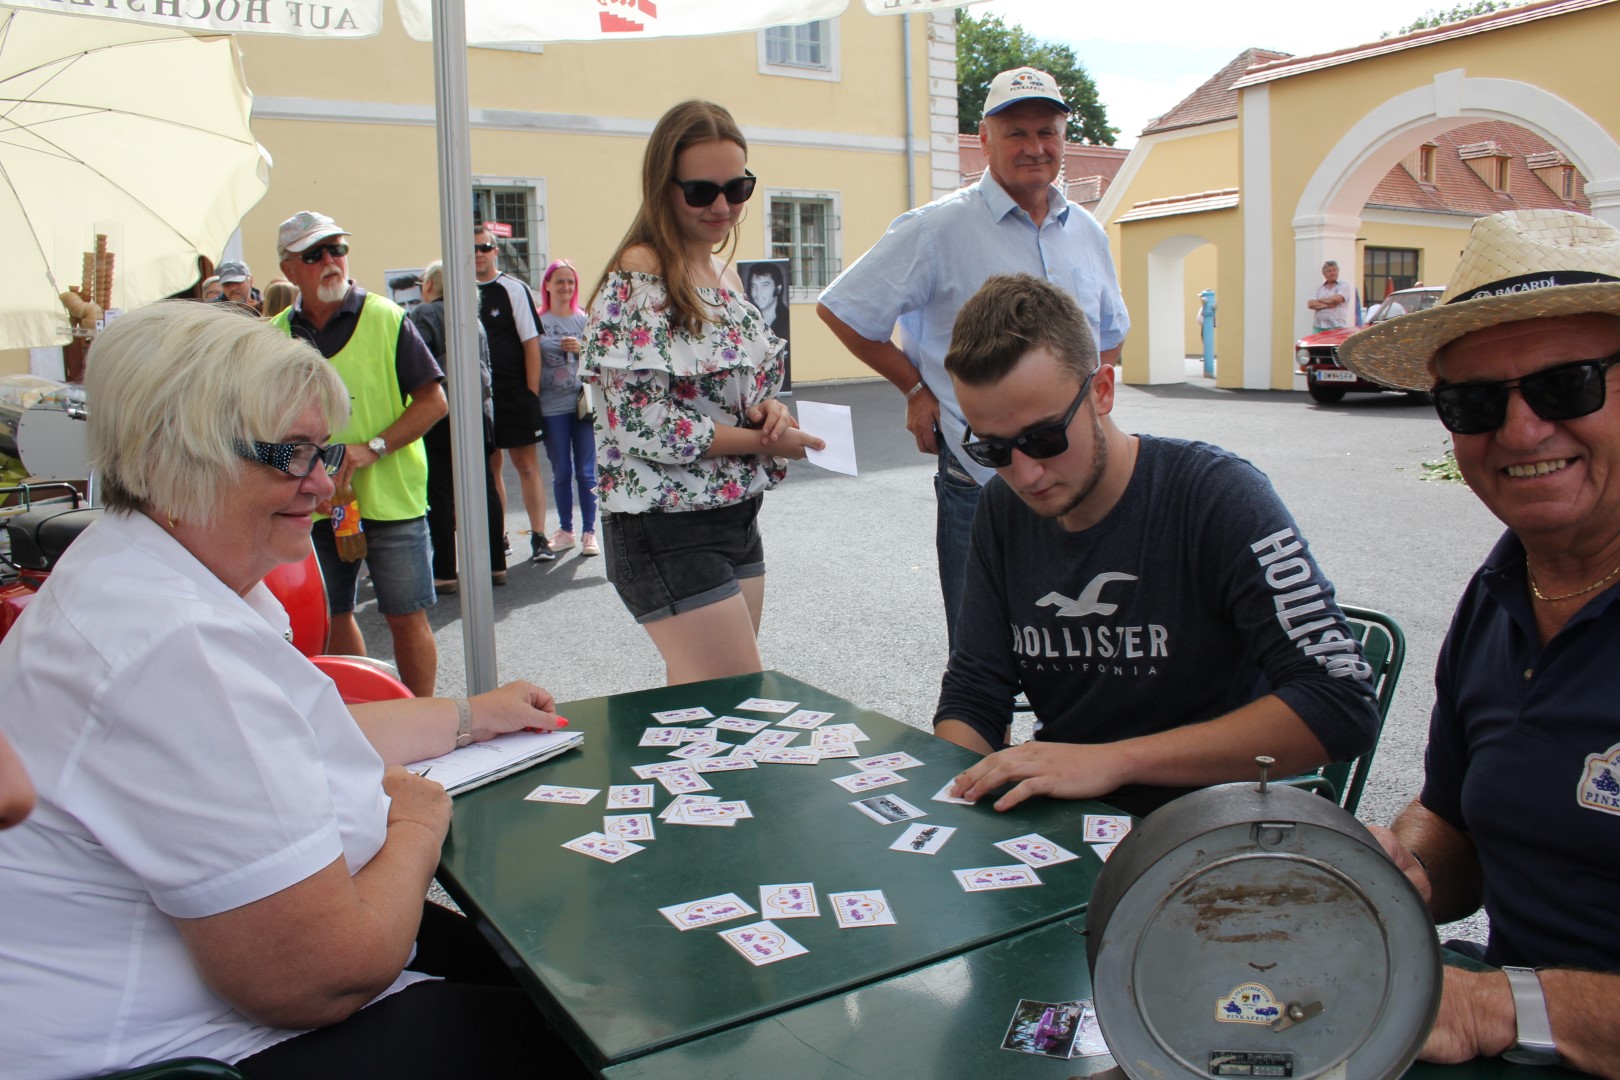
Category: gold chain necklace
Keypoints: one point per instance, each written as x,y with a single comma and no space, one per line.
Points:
1598,584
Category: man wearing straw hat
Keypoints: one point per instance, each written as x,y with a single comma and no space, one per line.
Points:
1520,807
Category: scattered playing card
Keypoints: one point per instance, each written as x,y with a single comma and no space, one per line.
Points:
1036,850
923,839
789,901
834,749
683,780
662,736
730,763
629,796
806,718
715,813
1106,828
713,909
765,704
1104,850
748,753
609,849
888,809
852,909
985,878
944,795
706,748
1044,1028
699,734
855,734
658,768
629,826
578,796
681,802
681,716
762,943
888,762
856,783
738,723
790,755
772,740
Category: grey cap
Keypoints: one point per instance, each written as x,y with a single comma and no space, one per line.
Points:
233,270
303,229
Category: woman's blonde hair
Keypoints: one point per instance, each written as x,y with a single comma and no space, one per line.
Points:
173,388
278,297
686,124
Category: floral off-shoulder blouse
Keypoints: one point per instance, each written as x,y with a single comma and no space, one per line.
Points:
661,392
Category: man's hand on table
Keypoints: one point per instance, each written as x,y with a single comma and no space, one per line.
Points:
1061,770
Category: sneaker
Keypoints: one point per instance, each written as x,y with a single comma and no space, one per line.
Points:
562,540
446,586
587,544
506,540
539,550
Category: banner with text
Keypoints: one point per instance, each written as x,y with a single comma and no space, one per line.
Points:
294,18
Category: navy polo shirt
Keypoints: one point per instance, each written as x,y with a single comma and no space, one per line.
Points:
1524,756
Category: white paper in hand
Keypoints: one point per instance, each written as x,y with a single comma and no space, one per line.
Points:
832,424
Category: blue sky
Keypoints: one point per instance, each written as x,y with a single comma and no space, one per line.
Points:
1145,57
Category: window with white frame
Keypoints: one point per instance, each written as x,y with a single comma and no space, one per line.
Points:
806,51
518,203
803,228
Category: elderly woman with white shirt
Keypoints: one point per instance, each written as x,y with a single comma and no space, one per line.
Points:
223,857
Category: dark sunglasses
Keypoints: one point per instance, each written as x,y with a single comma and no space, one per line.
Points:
316,254
483,249
1563,392
704,192
1048,440
293,458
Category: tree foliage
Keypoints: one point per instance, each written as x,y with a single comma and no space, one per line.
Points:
987,46
1431,18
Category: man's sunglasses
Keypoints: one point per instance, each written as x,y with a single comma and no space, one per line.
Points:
704,192
1563,392
1048,440
293,458
313,255
483,249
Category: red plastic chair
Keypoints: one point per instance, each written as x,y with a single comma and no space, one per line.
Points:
361,679
301,591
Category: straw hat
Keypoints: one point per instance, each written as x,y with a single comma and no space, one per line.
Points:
1522,264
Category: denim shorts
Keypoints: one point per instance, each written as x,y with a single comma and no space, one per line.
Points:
398,556
664,564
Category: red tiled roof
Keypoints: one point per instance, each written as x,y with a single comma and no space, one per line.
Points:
1217,98
1479,24
1195,203
1459,190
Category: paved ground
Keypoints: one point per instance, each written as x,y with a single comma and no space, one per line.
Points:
853,596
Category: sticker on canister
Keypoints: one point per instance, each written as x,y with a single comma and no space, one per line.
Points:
1249,1003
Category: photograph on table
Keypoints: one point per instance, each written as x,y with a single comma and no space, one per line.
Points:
1045,1028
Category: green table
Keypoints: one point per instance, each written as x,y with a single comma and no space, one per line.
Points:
946,1019
620,981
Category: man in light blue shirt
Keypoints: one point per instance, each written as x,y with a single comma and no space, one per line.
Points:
933,258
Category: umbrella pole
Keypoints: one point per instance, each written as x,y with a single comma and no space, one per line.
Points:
460,308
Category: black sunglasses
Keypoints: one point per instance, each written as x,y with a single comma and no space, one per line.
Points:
293,458
484,249
1563,392
704,192
316,254
1048,440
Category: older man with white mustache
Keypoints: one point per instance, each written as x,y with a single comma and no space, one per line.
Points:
395,392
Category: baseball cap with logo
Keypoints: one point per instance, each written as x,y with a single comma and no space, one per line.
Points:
1022,84
234,270
303,229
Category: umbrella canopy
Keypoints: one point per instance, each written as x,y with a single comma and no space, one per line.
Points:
135,132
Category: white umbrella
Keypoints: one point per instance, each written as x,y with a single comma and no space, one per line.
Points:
136,132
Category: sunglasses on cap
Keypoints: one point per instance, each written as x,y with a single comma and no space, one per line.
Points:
703,192
1563,392
1047,440
313,255
483,249
293,458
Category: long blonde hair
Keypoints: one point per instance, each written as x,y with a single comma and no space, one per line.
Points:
684,125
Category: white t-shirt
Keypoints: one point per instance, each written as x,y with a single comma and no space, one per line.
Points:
188,761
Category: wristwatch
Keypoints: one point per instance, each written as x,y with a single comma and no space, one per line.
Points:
378,446
1535,1045
463,722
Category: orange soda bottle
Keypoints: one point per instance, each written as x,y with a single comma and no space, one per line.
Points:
346,527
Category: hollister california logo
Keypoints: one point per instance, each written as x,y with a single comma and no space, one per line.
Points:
1600,787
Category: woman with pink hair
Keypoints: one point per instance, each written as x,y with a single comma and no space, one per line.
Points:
570,442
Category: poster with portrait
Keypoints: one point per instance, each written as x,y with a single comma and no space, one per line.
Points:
766,283
403,286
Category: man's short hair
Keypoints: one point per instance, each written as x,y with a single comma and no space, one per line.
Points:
766,269
1010,315
1329,262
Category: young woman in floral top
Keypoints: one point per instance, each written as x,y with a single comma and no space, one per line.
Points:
689,431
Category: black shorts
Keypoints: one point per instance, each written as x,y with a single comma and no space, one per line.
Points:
517,416
664,564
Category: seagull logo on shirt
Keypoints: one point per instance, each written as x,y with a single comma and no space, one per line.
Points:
1088,602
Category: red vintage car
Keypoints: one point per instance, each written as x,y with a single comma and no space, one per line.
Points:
1318,355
